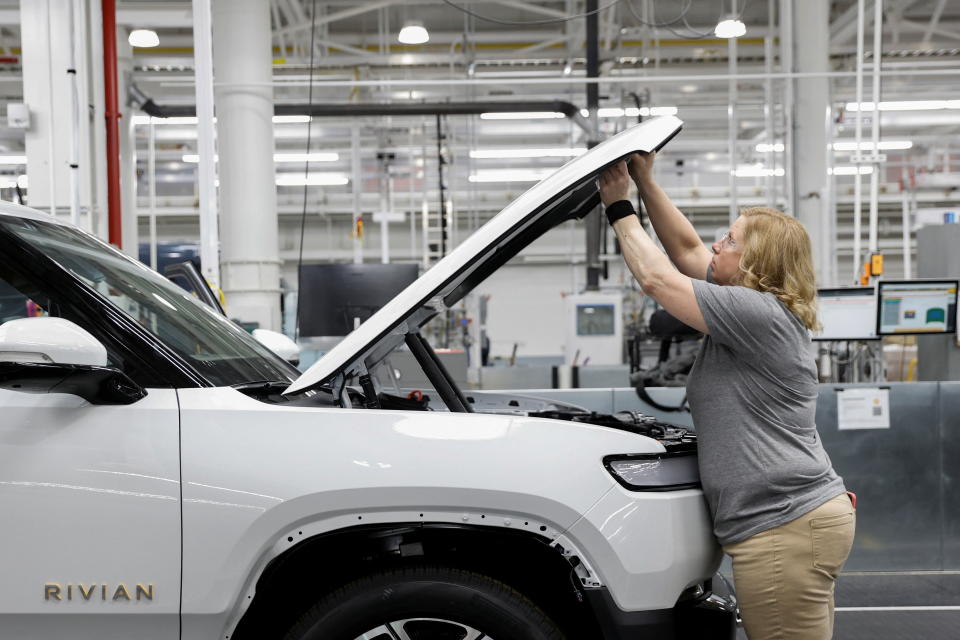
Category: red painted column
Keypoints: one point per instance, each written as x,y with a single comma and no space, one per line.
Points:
112,106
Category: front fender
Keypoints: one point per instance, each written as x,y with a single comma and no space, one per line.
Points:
258,478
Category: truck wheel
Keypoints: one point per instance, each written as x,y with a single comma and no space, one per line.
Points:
425,603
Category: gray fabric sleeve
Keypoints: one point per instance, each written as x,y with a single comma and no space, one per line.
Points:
742,319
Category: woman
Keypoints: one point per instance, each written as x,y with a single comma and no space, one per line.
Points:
779,509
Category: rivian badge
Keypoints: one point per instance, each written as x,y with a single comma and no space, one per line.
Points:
53,591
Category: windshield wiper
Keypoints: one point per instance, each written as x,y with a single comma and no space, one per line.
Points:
262,385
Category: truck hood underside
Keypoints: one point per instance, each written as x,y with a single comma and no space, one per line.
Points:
569,193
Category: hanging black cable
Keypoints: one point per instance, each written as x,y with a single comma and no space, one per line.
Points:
443,197
445,338
306,170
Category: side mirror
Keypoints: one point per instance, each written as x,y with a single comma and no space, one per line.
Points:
54,355
279,343
49,340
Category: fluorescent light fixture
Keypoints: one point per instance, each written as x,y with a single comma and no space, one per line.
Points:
906,105
533,175
757,171
885,145
13,159
850,171
314,156
631,112
730,28
282,157
527,153
521,115
612,112
291,119
181,120
413,32
175,120
143,38
314,179
776,147
660,111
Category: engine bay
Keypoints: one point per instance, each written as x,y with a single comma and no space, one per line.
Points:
674,438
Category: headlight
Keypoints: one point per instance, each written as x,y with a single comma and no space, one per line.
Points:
655,472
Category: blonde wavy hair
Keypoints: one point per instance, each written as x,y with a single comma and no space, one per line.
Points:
778,258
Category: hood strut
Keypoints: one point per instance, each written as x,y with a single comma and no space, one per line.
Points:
437,374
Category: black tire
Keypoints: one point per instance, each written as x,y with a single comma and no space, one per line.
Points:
478,602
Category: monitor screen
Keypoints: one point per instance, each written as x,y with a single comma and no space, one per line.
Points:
847,314
595,320
335,298
917,306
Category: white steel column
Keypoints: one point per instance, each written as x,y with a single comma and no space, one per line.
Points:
74,162
875,128
96,145
733,127
206,147
152,190
356,191
242,58
905,214
812,101
786,66
858,154
128,147
54,78
770,189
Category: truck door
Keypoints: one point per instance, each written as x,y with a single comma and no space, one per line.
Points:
90,503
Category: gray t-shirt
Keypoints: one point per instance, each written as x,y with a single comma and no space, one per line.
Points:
753,395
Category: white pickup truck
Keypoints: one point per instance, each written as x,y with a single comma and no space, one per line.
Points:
164,476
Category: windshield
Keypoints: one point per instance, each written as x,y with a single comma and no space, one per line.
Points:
217,348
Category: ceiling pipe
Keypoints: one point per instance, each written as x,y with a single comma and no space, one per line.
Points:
146,104
112,115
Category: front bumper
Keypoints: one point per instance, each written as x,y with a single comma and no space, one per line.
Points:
647,548
703,615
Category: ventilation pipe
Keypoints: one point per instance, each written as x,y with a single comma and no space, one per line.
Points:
148,106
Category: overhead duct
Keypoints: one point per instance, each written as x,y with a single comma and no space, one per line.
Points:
146,104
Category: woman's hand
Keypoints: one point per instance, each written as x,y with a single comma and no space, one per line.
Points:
641,167
614,184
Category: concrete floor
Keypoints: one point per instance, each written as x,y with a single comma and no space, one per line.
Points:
923,605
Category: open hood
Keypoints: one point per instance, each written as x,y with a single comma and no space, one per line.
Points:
570,192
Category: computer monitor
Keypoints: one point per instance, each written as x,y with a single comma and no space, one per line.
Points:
847,314
916,306
335,297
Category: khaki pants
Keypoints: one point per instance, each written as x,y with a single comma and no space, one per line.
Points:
784,576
